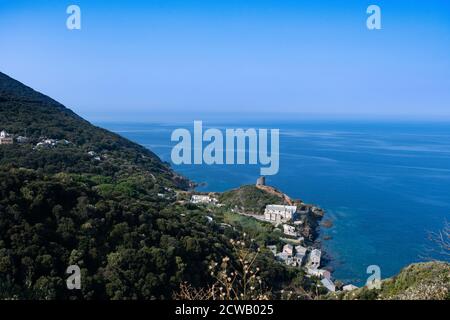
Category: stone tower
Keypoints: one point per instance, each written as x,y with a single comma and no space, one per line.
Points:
261,181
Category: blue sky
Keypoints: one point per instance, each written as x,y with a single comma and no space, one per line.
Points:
135,59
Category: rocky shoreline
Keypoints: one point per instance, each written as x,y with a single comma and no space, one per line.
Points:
299,241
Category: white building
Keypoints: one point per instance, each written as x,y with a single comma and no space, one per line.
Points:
289,230
298,259
47,143
288,249
197,198
51,142
21,139
300,250
290,261
320,273
314,259
327,283
279,213
287,256
5,138
349,287
300,254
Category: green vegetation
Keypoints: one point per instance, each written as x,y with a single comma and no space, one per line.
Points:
420,281
249,199
263,233
128,243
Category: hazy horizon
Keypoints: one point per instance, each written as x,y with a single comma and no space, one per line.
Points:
215,117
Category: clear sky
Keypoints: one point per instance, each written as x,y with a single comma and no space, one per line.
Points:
138,58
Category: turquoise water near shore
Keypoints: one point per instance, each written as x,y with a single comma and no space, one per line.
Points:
384,185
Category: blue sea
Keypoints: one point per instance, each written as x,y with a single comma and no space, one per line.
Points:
383,184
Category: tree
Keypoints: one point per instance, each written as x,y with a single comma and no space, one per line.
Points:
442,239
440,249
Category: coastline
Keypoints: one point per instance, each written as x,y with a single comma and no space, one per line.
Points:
308,222
348,252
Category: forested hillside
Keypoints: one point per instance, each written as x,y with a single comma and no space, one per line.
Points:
95,200
25,112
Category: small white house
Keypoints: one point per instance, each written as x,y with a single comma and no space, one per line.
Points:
5,138
321,273
289,230
202,199
314,259
51,142
349,287
300,253
327,283
288,249
21,139
300,250
298,259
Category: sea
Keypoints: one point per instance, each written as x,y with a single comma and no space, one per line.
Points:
384,184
